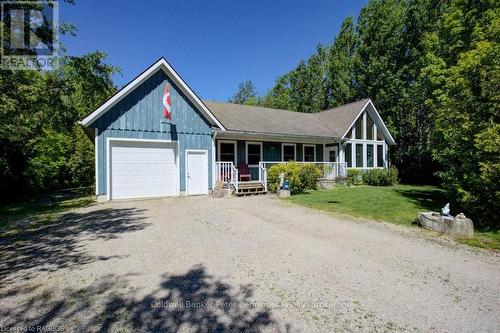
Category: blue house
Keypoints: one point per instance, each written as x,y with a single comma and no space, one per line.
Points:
140,153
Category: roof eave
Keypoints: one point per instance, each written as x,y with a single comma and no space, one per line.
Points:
229,132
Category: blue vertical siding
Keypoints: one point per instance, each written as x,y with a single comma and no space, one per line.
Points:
241,155
271,151
139,115
299,148
319,153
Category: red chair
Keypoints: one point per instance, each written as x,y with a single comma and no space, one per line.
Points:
244,171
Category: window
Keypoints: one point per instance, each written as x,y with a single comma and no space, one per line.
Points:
369,128
349,134
379,135
359,128
288,152
380,156
254,153
359,156
227,151
348,155
369,156
309,153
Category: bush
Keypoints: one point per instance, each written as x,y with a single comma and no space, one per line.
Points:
354,177
381,177
373,177
300,177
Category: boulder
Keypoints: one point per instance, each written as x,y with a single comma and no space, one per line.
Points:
454,226
283,193
325,184
223,192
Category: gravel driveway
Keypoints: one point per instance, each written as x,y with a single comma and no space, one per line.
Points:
254,264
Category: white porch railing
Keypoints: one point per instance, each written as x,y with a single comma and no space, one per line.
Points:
330,170
227,173
263,176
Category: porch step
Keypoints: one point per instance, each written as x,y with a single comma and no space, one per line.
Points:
249,188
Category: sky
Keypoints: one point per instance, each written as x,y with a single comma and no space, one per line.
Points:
213,44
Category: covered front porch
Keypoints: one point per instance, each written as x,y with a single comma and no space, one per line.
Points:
243,164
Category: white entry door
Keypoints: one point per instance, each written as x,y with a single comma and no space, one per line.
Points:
141,169
332,154
196,172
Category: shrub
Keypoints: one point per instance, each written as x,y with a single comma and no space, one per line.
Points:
309,175
300,177
381,177
354,177
374,177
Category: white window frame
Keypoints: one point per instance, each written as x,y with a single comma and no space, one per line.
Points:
283,151
246,152
235,149
304,152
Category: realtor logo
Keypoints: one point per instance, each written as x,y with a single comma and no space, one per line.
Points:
29,35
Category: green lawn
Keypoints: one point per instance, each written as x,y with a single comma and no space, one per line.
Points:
398,204
41,210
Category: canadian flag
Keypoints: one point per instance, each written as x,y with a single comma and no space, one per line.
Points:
167,113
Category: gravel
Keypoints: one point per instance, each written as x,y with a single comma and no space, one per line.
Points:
241,264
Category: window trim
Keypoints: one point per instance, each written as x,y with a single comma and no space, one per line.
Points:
294,145
368,145
246,152
235,149
382,157
304,152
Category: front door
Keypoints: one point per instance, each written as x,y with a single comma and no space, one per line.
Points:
196,172
332,154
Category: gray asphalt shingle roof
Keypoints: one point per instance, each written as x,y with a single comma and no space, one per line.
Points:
332,123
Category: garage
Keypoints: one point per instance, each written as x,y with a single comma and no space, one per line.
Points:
142,168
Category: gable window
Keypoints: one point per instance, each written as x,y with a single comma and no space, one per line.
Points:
379,135
359,156
359,128
288,152
227,151
369,156
309,153
348,155
349,134
369,128
254,153
380,156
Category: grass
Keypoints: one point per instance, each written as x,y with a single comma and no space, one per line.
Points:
398,204
41,210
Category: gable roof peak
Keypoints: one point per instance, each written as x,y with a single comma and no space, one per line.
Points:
160,64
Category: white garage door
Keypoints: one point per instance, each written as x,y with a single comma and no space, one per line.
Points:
143,169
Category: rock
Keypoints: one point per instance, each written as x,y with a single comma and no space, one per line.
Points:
324,184
223,192
454,226
283,193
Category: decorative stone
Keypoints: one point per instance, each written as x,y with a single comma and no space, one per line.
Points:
454,226
325,184
223,192
283,193
445,211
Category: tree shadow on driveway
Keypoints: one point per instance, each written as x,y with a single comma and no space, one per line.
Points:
193,301
60,245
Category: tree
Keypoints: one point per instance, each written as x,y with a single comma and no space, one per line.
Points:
38,115
278,97
464,70
246,91
340,81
